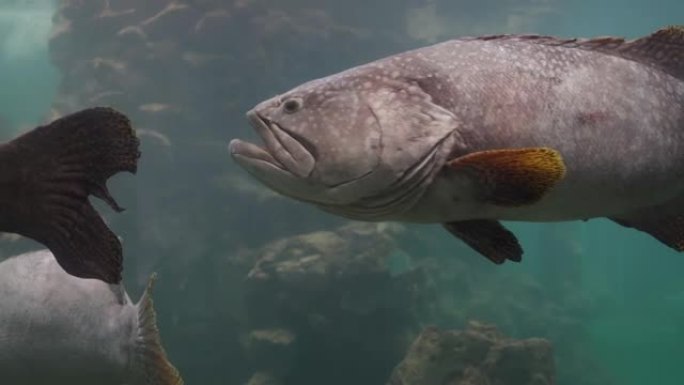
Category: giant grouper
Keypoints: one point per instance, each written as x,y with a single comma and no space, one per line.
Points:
477,130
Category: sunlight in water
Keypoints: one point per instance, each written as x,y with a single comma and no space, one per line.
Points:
26,74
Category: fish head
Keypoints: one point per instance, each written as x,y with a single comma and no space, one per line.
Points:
343,140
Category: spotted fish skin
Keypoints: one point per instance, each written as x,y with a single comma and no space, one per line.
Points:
618,123
476,130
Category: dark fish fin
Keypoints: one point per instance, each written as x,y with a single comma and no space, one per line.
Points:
512,177
668,229
663,48
47,175
489,238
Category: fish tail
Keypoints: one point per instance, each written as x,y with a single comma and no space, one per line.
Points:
151,359
46,176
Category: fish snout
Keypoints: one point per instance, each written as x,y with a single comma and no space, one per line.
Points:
283,146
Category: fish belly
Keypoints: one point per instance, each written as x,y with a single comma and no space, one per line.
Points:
54,325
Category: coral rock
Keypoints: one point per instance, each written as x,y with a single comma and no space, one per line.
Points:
479,355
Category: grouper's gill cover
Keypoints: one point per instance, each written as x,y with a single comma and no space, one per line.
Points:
361,143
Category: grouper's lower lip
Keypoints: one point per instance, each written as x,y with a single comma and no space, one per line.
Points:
250,151
259,162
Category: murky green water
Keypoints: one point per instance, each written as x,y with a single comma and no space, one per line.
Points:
29,81
609,298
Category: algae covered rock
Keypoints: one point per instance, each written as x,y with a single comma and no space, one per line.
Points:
479,355
272,350
333,300
261,378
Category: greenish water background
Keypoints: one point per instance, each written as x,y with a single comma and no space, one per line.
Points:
637,331
27,80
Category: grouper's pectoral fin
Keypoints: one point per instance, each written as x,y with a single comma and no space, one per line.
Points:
667,228
489,238
512,177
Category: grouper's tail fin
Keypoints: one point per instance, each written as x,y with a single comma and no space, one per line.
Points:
151,359
46,176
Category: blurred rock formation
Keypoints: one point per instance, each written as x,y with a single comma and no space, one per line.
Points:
479,355
332,302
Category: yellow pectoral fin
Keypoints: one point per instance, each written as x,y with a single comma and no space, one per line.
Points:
513,177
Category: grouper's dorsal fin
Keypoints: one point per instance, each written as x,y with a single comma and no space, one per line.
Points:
663,48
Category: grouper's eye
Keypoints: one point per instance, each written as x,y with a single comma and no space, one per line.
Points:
291,106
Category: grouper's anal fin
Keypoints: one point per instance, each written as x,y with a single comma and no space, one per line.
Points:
46,176
489,238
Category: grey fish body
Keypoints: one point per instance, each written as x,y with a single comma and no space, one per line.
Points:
79,331
619,125
476,130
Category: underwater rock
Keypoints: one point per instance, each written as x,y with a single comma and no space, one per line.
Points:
345,298
311,260
210,31
534,305
174,22
272,350
261,378
81,9
479,355
132,34
351,262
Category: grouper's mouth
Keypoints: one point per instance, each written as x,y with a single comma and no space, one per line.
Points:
282,154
